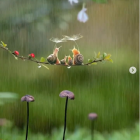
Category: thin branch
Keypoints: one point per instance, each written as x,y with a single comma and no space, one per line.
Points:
38,62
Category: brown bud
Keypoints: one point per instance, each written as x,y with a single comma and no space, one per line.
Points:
67,93
28,98
92,116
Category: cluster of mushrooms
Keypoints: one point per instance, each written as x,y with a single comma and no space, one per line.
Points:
64,94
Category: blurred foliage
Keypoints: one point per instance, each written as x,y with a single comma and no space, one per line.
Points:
79,134
7,97
42,14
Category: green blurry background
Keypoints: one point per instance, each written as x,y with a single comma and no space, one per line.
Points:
106,88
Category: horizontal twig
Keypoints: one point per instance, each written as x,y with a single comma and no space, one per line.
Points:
47,63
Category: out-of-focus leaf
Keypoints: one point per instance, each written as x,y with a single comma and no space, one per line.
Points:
45,66
104,55
98,55
110,60
8,95
15,57
90,60
3,44
42,59
94,63
107,57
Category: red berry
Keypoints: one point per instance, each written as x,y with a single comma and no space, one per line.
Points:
16,52
32,55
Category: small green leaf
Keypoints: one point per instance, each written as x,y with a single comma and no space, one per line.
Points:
90,60
42,59
15,57
107,57
104,55
94,63
110,60
98,55
3,44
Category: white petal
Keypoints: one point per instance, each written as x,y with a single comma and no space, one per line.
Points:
70,1
73,1
79,17
85,17
82,16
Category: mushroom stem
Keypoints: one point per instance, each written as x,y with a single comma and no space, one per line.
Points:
92,117
27,120
65,118
92,129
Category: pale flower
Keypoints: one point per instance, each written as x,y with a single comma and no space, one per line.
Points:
73,1
82,15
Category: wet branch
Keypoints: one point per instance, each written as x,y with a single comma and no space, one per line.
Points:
46,63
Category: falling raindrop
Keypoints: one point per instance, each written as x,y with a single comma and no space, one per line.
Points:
69,67
39,66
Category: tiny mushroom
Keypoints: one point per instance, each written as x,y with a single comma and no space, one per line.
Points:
92,117
69,95
27,98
